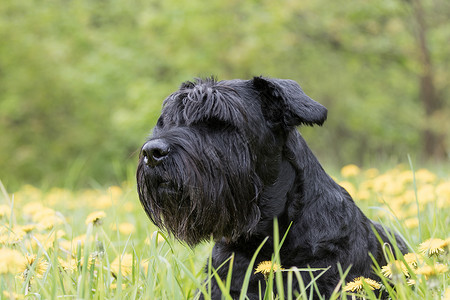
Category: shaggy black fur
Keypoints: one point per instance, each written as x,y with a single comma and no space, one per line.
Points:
225,159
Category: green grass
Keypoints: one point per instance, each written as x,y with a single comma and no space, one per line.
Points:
123,256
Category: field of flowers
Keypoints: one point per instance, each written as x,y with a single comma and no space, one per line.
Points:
99,244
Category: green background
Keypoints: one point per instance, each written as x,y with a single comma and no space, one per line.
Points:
82,82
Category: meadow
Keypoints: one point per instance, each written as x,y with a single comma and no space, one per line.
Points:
99,244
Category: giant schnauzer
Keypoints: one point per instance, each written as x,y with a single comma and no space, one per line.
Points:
225,159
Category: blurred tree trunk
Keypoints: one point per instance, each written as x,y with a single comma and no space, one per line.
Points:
434,141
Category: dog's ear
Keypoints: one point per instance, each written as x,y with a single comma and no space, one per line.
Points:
285,99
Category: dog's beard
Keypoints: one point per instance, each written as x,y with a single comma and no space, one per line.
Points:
198,193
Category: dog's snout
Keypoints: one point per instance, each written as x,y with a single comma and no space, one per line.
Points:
154,152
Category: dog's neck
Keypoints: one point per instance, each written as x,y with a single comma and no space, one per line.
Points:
309,174
273,198
287,196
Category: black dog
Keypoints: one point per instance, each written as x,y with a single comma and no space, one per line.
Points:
225,159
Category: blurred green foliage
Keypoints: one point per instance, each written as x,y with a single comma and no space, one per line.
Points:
82,82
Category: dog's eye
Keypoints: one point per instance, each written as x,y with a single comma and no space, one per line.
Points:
160,122
215,123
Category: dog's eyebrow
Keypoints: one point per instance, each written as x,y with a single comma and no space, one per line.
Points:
205,102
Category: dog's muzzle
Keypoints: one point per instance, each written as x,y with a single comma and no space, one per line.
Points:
154,152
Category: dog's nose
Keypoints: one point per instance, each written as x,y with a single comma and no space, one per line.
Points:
154,152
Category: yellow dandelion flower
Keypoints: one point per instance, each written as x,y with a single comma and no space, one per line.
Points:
128,206
264,267
363,194
75,242
357,285
423,175
31,208
436,269
10,261
410,281
447,294
413,259
406,177
12,295
115,191
433,247
39,266
5,211
113,286
103,202
380,182
124,263
28,228
27,193
18,230
69,266
92,259
42,240
11,237
426,194
4,239
394,268
443,190
411,223
57,195
371,173
80,240
443,201
42,214
49,221
350,171
126,228
393,188
95,218
46,240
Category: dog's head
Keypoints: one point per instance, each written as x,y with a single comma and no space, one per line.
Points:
215,148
